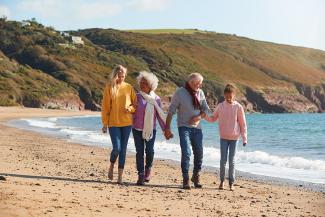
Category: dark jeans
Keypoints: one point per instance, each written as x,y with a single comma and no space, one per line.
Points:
142,145
119,137
191,137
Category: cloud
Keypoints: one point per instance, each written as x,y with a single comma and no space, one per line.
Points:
4,11
149,5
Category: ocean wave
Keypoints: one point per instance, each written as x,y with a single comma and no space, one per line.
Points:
41,123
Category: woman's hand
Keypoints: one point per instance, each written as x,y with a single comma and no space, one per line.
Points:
104,129
168,134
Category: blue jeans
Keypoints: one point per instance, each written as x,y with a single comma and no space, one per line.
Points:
191,137
119,138
227,146
142,145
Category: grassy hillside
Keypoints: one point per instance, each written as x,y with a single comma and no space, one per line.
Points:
270,77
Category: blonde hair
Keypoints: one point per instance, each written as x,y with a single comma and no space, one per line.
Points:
113,77
150,78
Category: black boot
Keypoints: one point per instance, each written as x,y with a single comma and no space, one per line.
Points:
140,179
186,184
196,180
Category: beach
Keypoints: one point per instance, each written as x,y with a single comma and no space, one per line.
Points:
49,176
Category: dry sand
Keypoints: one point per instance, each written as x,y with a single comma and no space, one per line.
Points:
47,176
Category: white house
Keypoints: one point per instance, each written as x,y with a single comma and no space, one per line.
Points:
65,34
77,40
25,23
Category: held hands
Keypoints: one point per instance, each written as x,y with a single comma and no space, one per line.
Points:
104,129
195,120
128,109
168,134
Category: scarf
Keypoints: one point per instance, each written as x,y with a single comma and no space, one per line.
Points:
193,93
152,105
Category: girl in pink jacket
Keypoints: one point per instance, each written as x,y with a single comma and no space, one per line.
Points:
232,125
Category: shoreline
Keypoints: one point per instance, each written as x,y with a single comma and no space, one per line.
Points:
248,176
72,167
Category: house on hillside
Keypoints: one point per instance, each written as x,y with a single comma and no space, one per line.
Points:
65,34
77,40
25,23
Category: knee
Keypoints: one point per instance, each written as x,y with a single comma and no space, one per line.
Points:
116,150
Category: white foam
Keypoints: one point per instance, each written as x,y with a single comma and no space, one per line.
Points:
41,123
255,162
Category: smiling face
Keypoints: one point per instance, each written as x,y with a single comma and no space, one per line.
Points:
120,76
144,86
195,84
229,96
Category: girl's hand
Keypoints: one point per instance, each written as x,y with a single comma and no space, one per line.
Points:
104,129
195,120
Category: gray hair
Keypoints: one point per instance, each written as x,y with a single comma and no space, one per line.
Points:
196,76
150,78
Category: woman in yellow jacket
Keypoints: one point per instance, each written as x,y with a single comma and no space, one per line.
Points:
118,105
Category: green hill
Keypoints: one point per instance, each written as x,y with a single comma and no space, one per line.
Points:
271,77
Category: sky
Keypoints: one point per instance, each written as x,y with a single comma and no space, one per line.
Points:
293,22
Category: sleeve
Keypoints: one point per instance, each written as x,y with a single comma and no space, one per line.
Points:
214,116
106,105
242,124
204,105
160,121
133,101
174,103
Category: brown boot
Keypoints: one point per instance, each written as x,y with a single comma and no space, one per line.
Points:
110,171
231,186
221,186
186,184
196,180
119,178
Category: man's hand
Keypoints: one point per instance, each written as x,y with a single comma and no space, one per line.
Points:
168,134
195,120
244,144
104,129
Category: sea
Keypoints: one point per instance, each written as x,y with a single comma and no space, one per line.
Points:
287,146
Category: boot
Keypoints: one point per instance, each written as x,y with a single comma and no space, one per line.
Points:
196,180
186,184
110,171
147,175
119,178
221,186
140,180
231,186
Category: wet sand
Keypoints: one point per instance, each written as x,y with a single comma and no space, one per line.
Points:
47,176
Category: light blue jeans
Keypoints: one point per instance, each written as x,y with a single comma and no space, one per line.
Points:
119,138
227,146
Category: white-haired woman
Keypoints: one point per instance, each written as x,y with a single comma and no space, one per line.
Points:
148,110
118,105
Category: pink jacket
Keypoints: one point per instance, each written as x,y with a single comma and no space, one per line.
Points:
232,122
